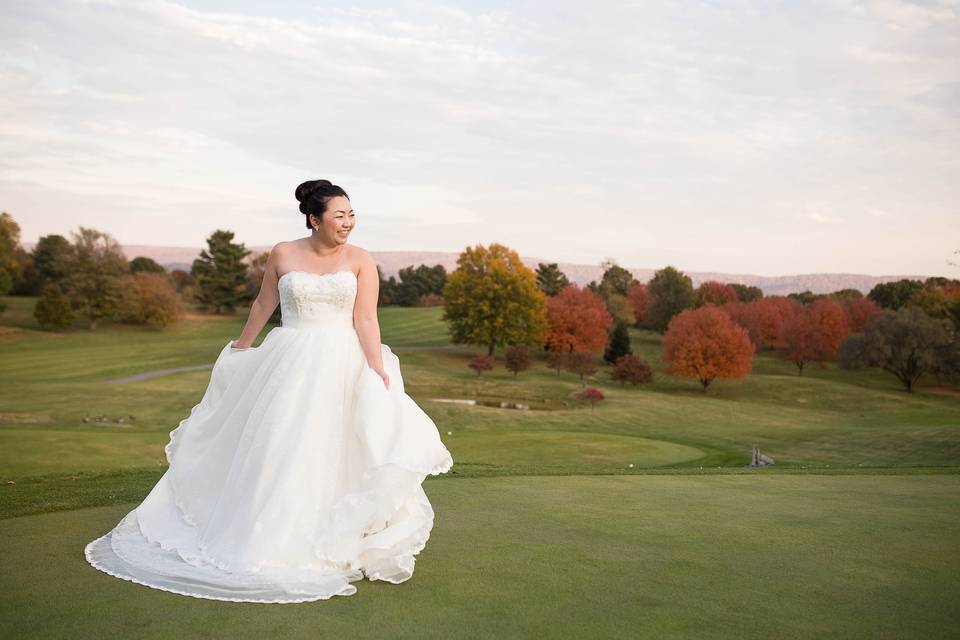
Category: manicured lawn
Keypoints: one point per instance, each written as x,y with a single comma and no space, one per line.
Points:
543,528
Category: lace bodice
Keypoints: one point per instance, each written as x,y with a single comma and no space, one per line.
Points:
310,299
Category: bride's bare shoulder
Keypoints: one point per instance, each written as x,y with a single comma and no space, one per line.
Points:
361,256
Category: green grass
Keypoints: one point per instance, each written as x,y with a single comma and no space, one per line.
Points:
569,557
543,529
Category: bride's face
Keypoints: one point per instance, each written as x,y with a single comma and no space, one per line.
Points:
338,220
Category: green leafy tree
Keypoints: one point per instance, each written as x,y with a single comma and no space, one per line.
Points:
747,293
492,299
550,280
220,274
418,281
94,268
619,344
52,310
11,254
804,297
906,343
615,279
671,291
144,264
51,255
893,295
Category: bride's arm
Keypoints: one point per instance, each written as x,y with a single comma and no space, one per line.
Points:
263,307
365,313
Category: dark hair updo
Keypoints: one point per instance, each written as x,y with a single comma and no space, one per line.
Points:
313,196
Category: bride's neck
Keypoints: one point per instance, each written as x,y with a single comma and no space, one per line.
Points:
321,248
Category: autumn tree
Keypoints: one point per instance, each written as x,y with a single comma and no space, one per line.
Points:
143,263
550,280
591,395
859,311
713,292
631,369
481,362
148,298
94,268
671,292
219,274
906,343
639,297
492,299
815,333
9,246
518,358
764,319
53,311
706,344
557,360
619,343
578,320
582,363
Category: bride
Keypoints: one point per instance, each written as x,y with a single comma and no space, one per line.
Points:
300,470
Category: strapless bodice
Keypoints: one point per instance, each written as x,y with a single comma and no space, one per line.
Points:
310,299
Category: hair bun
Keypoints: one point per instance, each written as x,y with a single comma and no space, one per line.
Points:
306,189
313,196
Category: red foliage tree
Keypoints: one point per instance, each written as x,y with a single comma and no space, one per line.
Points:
706,344
764,319
713,292
583,363
518,358
578,320
815,333
639,296
859,312
630,368
481,362
591,395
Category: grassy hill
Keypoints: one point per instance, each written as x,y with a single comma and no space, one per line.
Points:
549,532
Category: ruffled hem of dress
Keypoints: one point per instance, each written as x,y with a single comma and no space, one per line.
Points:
88,554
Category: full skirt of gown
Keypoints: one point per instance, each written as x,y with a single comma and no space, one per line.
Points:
297,473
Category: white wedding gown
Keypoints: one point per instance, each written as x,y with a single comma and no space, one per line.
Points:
297,474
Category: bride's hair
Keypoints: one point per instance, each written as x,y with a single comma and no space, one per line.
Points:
313,196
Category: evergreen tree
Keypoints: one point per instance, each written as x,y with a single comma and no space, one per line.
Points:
550,279
619,344
220,273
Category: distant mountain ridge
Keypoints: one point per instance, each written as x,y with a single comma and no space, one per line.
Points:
392,261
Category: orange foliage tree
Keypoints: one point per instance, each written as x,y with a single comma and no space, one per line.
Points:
859,312
815,333
706,344
764,319
713,292
639,296
578,320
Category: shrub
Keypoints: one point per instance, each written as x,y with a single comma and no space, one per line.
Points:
630,368
148,298
53,311
591,395
481,362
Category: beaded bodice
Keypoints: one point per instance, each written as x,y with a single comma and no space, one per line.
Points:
310,299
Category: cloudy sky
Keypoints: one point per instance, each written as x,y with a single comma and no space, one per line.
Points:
750,137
